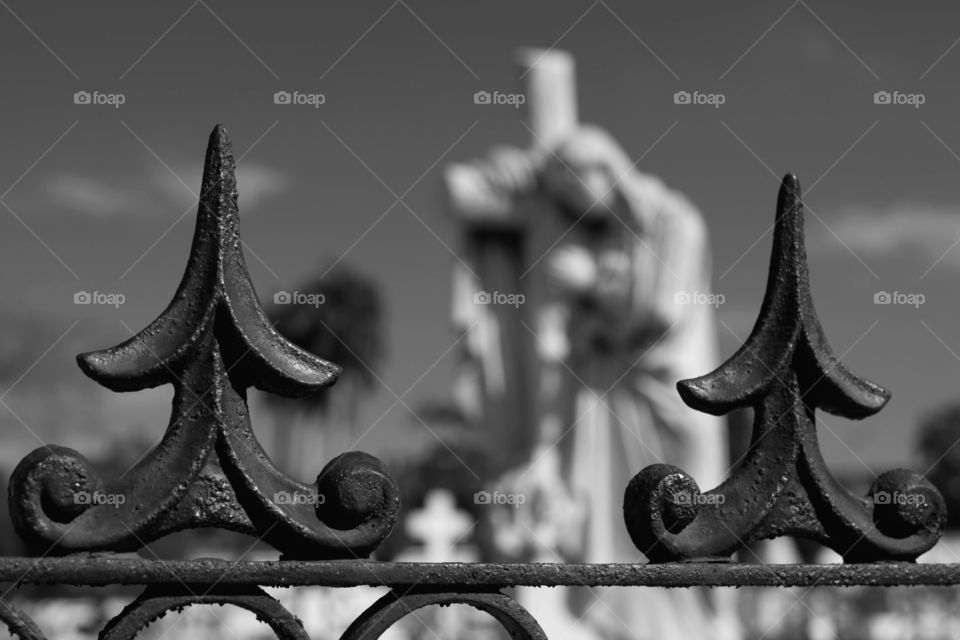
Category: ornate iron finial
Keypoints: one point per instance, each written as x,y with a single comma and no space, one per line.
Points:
211,343
785,371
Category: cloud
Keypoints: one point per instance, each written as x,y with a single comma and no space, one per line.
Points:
258,183
927,232
161,191
93,197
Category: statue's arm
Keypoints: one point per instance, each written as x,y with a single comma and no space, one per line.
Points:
485,190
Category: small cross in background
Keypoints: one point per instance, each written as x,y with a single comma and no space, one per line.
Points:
440,527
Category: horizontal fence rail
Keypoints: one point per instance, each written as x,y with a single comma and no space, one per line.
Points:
213,342
97,571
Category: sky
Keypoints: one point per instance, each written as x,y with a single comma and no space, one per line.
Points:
101,197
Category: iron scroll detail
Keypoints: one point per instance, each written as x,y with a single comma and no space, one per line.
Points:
785,371
212,342
393,606
157,600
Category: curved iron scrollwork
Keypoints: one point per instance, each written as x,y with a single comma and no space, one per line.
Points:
157,600
18,623
785,371
389,609
212,342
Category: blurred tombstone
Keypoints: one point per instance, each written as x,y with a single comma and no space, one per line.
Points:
65,618
440,528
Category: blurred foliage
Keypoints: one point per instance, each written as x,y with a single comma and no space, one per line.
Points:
346,329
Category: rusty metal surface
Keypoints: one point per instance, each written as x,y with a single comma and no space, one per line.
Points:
211,343
98,570
785,371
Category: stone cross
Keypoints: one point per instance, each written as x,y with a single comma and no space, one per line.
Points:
511,377
440,527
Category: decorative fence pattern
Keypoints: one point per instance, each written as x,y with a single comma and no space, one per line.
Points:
213,342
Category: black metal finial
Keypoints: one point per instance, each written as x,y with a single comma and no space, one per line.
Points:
785,371
211,343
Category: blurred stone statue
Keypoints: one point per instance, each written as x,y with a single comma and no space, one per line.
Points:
615,270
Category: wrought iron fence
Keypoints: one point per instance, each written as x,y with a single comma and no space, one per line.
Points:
213,342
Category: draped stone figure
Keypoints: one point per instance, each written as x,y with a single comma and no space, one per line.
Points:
615,270
635,274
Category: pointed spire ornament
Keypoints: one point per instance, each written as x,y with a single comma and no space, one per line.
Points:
785,371
212,343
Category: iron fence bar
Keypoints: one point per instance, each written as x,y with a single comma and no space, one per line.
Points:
102,571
